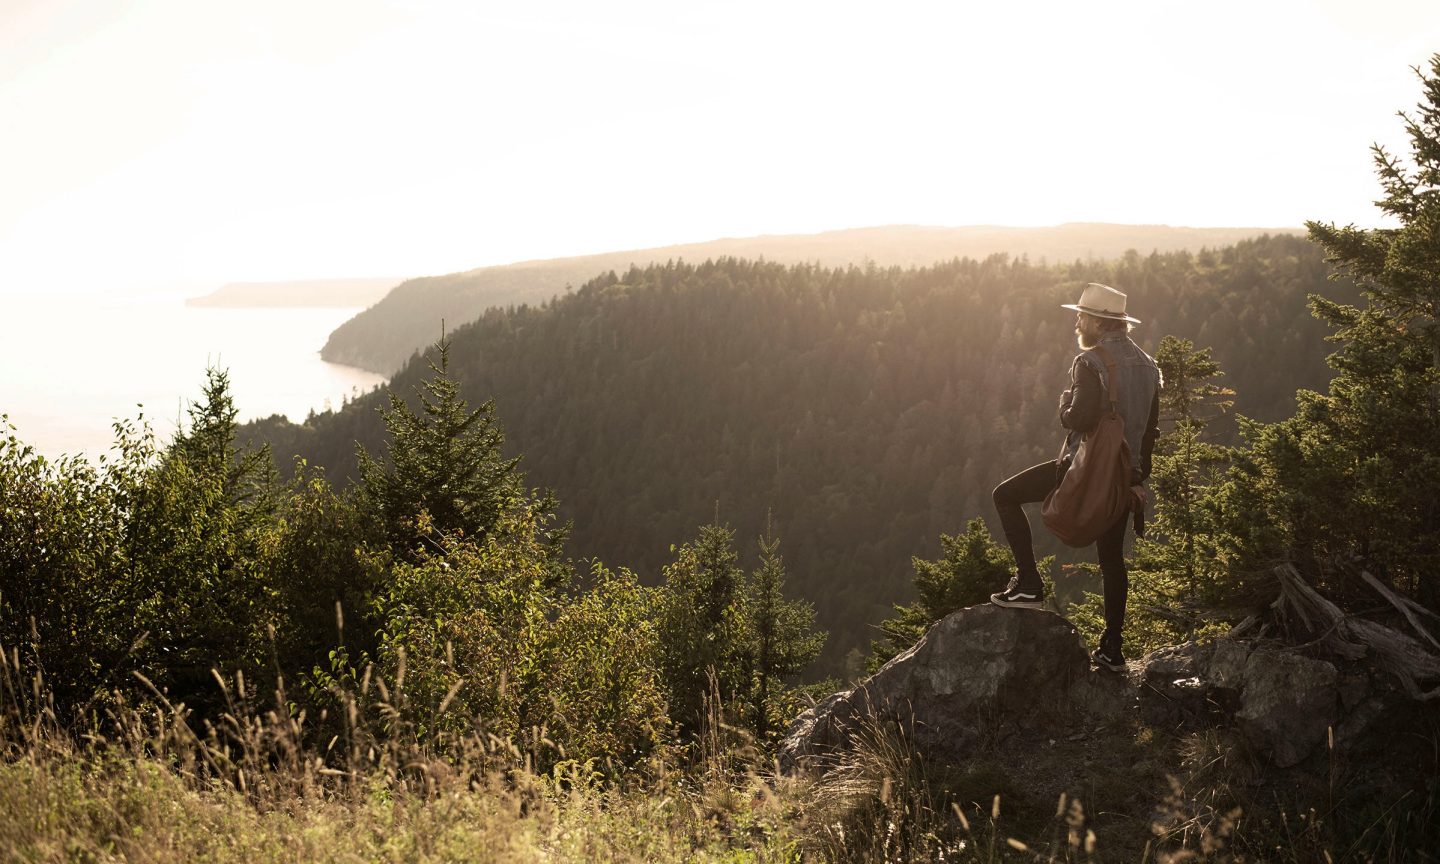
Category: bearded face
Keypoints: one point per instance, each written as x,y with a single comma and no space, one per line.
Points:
1087,331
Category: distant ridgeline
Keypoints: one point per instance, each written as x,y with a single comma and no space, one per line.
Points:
408,319
867,409
307,293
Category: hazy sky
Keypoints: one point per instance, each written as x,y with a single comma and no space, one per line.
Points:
158,141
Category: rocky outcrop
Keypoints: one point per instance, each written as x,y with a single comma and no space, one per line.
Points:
986,667
970,668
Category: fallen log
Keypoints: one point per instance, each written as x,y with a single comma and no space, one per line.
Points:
1302,607
1354,638
1407,607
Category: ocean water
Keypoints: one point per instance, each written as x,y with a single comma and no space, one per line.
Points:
71,365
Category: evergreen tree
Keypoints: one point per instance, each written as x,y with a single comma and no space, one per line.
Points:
972,565
190,588
1377,429
1399,268
1189,392
443,471
781,639
1185,464
700,622
209,444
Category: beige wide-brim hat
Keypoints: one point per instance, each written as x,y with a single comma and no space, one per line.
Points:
1102,301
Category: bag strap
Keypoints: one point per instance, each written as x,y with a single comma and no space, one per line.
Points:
1111,385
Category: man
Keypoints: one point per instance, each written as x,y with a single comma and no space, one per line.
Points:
1100,320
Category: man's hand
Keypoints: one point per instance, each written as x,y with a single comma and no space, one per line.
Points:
1066,398
1137,493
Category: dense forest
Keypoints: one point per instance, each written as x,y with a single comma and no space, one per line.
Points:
863,411
387,335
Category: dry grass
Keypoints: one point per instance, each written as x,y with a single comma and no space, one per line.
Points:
880,802
139,782
139,810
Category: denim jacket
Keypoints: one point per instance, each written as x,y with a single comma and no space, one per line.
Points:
1088,398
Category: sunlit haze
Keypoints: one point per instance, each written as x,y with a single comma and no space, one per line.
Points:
166,142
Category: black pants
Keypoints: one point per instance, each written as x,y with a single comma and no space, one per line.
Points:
1031,486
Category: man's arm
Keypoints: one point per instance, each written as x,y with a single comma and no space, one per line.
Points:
1083,410
1152,431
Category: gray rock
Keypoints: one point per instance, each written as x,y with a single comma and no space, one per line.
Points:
1103,697
1358,722
972,670
1227,665
1288,704
1354,688
985,673
1174,683
1177,662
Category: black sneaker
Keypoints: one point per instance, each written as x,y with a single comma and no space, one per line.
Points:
1108,658
1018,596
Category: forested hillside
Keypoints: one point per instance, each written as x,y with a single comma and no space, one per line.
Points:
866,410
383,338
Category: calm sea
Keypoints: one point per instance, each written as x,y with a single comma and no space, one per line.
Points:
70,365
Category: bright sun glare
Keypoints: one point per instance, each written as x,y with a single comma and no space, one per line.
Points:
167,140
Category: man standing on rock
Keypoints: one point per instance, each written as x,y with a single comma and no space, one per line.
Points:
1100,320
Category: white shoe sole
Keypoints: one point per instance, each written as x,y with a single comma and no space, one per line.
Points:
1105,664
1017,604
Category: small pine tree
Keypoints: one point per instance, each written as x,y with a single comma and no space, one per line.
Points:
700,622
190,577
972,565
208,445
780,637
1185,464
443,472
